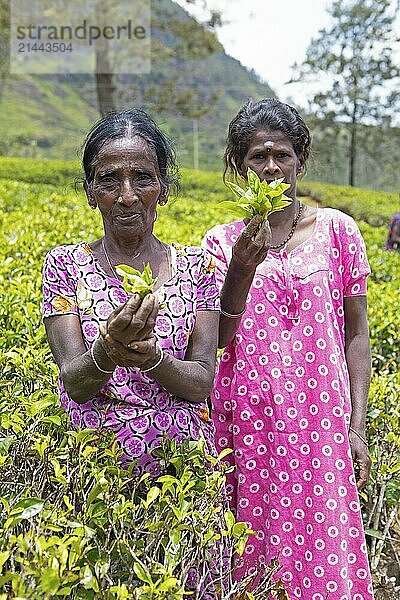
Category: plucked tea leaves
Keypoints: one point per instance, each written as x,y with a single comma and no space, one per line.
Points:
259,198
137,282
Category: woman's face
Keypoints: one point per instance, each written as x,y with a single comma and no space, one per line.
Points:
126,186
271,155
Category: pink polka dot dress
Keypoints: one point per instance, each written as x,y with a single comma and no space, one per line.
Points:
282,403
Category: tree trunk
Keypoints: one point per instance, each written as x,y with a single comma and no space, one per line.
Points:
5,18
2,85
352,154
196,144
104,83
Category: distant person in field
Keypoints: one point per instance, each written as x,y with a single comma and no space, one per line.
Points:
393,238
291,391
140,368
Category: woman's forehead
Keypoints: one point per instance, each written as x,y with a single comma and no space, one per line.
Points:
135,144
129,149
270,138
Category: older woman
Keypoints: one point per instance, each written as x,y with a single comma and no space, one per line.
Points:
141,368
291,392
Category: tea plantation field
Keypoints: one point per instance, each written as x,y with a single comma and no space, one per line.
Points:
72,524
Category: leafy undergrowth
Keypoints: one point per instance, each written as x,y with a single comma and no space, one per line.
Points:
375,208
74,524
71,520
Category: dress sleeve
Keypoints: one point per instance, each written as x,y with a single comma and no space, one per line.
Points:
354,260
59,287
212,244
207,290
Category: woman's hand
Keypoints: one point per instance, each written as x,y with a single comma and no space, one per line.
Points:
361,458
142,354
251,247
133,321
128,338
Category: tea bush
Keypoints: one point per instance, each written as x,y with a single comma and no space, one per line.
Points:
373,207
37,171
74,524
382,497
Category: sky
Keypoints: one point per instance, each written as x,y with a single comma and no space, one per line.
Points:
271,35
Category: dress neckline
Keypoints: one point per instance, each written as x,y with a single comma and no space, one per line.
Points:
171,256
318,218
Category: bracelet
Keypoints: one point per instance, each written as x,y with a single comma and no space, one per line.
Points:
95,361
226,314
359,436
157,363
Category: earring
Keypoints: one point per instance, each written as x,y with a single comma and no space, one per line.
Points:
119,200
163,195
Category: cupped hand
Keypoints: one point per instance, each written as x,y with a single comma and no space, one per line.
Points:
133,321
361,460
142,354
251,247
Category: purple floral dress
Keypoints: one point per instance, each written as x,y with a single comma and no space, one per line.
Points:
132,404
282,401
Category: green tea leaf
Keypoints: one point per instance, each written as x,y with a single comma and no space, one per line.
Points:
229,519
236,189
27,508
137,282
127,270
259,198
374,533
236,209
253,179
142,574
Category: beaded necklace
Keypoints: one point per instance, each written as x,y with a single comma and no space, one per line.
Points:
291,232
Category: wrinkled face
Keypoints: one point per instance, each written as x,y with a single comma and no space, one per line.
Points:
271,155
126,186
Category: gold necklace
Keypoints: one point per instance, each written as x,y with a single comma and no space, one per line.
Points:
291,232
109,261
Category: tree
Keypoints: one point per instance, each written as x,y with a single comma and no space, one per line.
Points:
174,34
356,55
4,42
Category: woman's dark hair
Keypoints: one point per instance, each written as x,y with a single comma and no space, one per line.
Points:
130,123
266,113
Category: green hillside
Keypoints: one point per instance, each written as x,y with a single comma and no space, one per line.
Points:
47,116
42,118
